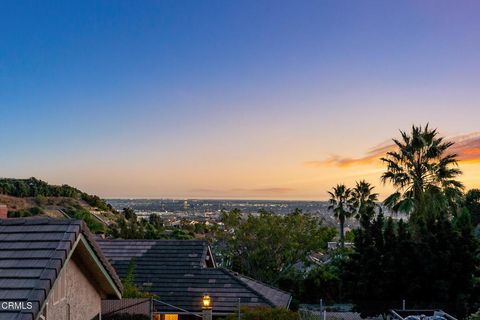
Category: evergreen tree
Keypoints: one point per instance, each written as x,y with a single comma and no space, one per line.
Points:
472,203
432,268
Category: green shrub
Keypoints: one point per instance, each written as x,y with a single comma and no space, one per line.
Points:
130,290
78,212
35,211
41,200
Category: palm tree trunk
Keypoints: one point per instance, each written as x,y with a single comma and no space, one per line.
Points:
342,233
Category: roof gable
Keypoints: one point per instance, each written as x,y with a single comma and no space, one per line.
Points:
32,254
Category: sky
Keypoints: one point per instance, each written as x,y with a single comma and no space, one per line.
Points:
231,99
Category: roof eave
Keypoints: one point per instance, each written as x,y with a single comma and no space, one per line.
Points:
112,288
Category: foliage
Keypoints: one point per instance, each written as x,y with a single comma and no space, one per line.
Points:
421,167
41,200
264,313
342,207
264,246
130,290
317,282
79,212
39,189
322,282
364,201
350,236
129,213
35,211
434,266
292,281
128,226
474,316
472,203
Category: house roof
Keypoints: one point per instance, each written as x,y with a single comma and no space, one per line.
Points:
276,296
180,272
33,251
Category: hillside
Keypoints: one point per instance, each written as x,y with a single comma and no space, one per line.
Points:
34,197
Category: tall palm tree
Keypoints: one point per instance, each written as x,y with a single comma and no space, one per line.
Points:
364,201
419,168
340,204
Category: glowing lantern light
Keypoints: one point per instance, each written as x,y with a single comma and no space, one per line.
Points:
206,302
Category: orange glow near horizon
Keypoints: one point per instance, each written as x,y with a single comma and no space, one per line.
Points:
270,174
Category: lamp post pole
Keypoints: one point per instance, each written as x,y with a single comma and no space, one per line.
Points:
207,314
206,307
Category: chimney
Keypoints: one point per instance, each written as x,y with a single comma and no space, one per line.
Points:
3,211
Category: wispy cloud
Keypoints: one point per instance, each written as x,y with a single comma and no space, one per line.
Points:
467,147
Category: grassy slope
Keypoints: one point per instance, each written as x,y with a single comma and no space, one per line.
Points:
55,207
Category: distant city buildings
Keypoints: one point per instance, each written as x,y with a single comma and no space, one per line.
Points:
173,211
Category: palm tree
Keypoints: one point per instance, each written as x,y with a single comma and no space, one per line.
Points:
341,206
420,169
364,201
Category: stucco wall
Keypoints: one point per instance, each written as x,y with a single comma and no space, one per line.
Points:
82,301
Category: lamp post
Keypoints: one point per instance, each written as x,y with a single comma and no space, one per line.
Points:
206,307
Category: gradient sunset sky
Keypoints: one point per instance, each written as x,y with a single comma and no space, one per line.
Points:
231,99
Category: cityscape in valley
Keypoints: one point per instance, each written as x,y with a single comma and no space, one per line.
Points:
208,206
211,210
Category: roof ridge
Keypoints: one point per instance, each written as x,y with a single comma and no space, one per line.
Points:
150,240
203,263
261,282
243,284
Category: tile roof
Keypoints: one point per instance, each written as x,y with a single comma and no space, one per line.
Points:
176,271
32,253
276,296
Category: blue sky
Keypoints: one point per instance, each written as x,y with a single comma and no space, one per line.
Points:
226,98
